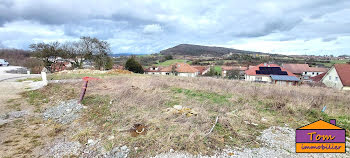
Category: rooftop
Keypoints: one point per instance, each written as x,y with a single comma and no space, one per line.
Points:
255,70
180,67
343,71
284,78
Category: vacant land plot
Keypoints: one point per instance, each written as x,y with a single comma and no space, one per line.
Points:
116,103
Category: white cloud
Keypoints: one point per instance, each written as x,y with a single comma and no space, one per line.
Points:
153,28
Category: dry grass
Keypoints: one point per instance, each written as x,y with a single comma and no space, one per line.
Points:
244,109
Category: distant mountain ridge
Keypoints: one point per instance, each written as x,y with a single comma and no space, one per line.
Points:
124,54
198,50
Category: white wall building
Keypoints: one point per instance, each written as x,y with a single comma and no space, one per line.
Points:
338,77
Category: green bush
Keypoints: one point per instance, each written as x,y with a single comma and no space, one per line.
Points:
134,66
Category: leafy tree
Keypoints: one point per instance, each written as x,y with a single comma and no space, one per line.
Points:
168,57
212,72
173,70
109,64
233,74
134,66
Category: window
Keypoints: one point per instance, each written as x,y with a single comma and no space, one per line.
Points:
167,73
305,73
336,78
317,73
313,73
330,77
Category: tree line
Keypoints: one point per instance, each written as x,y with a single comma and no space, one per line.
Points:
85,49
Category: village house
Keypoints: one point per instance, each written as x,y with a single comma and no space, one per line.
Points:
202,69
60,65
338,77
304,71
318,78
177,69
153,70
271,73
237,68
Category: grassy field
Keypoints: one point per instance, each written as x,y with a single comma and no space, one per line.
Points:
170,62
244,109
218,69
332,62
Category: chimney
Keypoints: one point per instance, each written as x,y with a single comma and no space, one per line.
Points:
333,121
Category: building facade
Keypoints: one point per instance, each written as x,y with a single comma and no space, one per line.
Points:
338,77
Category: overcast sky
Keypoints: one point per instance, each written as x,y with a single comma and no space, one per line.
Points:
316,27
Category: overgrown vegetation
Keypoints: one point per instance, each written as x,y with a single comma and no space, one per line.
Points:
244,110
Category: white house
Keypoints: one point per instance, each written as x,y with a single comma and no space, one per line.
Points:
153,70
270,73
303,71
338,77
177,69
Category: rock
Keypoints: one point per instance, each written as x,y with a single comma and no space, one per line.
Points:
177,107
17,114
124,148
117,152
110,137
3,122
64,112
62,149
90,141
4,116
254,124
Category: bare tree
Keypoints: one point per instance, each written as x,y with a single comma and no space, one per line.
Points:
45,51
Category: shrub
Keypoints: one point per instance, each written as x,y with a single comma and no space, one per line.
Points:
134,66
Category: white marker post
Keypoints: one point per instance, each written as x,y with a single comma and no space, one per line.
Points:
43,76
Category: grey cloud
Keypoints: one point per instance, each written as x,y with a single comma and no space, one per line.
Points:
328,39
174,22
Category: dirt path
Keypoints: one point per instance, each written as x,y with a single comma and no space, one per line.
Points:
20,131
10,89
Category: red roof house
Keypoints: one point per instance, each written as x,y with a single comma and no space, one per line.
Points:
338,77
271,73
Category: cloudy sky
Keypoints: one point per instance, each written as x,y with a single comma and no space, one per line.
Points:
319,27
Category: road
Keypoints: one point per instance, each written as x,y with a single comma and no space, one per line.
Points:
9,87
12,77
